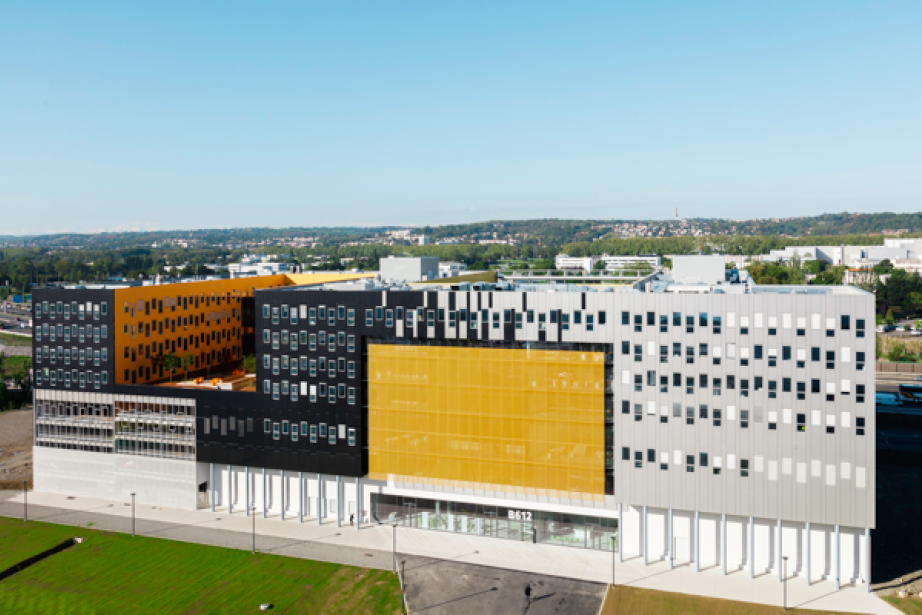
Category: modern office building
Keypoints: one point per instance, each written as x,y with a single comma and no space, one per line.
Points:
691,417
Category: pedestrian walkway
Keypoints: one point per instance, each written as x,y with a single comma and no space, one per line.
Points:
373,544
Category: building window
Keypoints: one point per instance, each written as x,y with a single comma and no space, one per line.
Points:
275,431
351,437
859,425
638,459
638,412
625,453
313,434
689,324
744,419
369,318
689,415
625,407
859,327
267,425
801,423
625,318
859,393
689,463
744,468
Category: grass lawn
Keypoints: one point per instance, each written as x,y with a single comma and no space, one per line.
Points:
910,606
112,573
632,600
14,340
19,540
13,364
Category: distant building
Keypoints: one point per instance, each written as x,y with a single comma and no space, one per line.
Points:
625,262
565,262
423,240
450,270
410,269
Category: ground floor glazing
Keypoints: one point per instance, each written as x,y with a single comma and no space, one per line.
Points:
564,529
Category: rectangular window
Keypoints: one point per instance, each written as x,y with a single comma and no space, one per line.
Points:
625,318
744,419
369,318
859,327
601,317
313,434
676,319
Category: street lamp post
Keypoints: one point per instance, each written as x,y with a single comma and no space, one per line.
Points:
132,514
253,511
395,545
613,561
784,559
25,501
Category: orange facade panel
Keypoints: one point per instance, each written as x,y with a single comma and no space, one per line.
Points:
518,421
200,319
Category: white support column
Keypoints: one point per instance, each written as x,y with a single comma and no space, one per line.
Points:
339,500
230,489
283,494
778,559
300,497
752,545
808,554
671,546
723,543
867,559
212,488
697,542
620,533
319,500
246,472
837,559
265,503
358,503
643,535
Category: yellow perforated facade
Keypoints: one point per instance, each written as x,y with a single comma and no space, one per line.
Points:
517,421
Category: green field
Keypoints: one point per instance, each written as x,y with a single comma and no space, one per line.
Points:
14,340
19,540
115,573
632,600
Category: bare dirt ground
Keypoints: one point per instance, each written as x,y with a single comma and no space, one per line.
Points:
15,448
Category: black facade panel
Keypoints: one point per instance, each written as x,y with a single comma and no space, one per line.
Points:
68,331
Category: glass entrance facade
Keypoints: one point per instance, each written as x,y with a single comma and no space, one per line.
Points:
581,531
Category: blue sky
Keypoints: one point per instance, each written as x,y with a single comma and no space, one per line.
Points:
192,115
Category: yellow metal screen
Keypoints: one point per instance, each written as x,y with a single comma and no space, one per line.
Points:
519,421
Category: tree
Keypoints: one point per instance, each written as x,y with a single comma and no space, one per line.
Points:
171,362
248,364
599,266
884,266
897,352
890,318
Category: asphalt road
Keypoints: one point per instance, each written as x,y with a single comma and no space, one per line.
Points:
445,587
